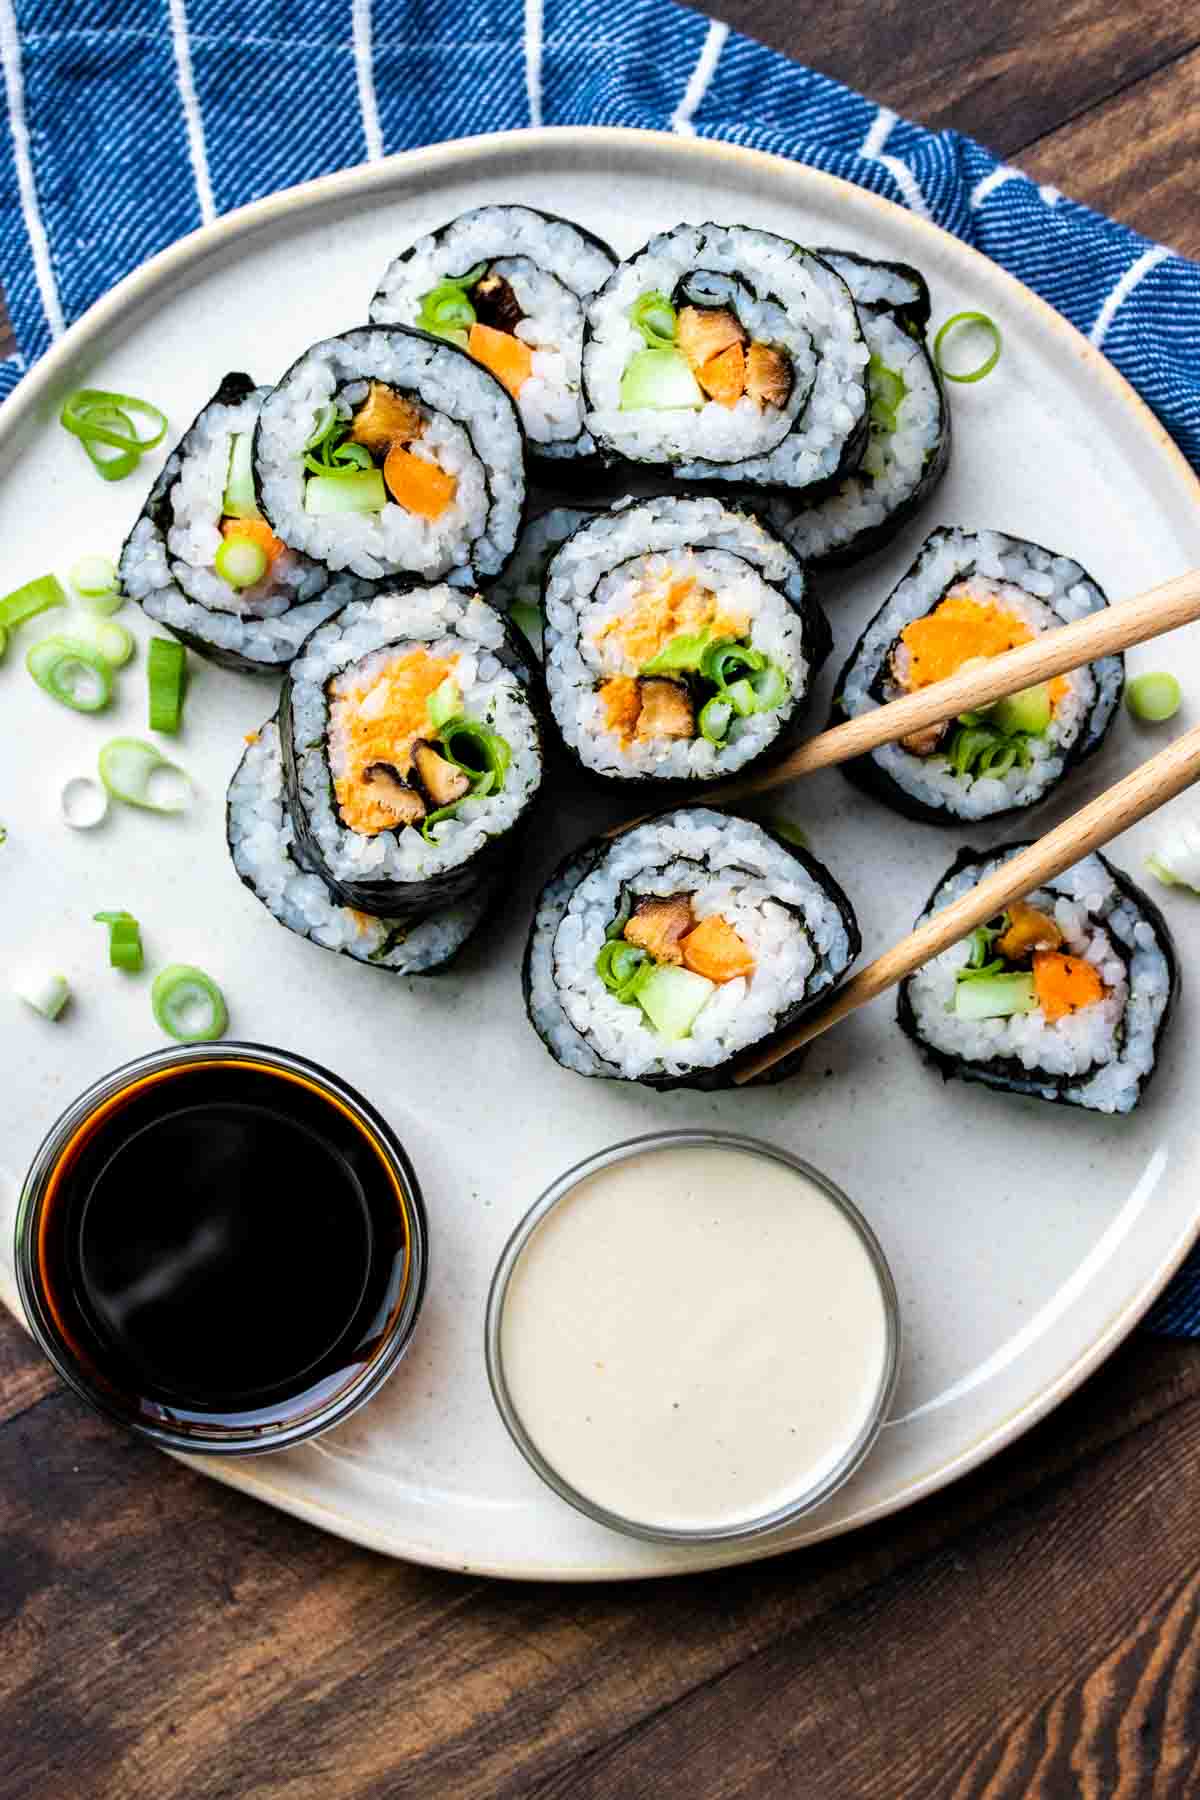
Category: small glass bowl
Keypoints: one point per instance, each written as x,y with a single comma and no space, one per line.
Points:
269,1427
804,1501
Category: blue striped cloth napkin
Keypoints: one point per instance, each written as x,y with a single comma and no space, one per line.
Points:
128,125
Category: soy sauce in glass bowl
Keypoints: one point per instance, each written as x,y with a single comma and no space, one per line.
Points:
224,1247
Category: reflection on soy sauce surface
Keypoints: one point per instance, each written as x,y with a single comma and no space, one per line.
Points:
224,1244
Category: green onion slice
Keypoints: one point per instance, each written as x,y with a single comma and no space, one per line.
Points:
240,562
476,750
624,969
188,1004
787,829
82,803
714,721
324,420
47,994
3,640
94,577
140,775
888,389
166,673
656,319
445,310
71,672
108,639
98,418
443,703
124,940
961,321
770,686
26,602
727,661
1154,698
623,915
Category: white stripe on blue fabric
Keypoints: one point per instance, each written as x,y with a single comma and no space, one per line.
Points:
197,151
364,71
1121,290
1000,174
701,76
901,174
39,243
533,59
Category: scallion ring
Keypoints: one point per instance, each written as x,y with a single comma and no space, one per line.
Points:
124,940
188,1005
71,672
140,775
476,750
443,704
1154,698
240,562
47,994
714,721
94,578
108,639
960,321
166,674
98,418
654,316
26,602
82,803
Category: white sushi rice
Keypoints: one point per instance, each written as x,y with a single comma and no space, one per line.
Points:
893,465
728,866
261,842
552,268
592,578
1041,588
794,302
171,575
471,433
446,623
1100,1055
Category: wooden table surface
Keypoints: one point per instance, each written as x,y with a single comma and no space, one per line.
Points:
1033,1631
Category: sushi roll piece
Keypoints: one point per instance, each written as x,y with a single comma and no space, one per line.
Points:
509,285
412,749
1065,997
388,452
262,845
519,590
971,595
725,354
202,559
680,641
909,444
662,955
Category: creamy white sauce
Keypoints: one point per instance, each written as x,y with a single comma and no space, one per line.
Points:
694,1336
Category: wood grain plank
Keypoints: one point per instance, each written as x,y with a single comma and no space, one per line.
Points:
1136,156
1006,74
185,1604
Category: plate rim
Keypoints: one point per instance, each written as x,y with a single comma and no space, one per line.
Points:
136,290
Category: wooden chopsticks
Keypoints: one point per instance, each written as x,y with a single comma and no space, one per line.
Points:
1139,794
1103,633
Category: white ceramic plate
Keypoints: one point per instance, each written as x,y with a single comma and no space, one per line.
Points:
1025,1240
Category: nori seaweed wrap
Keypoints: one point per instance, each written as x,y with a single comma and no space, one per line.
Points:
681,640
968,595
390,452
202,500
666,954
1065,998
725,354
509,284
412,749
262,845
909,446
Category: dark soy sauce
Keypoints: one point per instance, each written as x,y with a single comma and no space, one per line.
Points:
225,1242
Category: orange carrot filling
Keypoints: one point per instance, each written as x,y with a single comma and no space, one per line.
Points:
621,700
715,950
960,629
379,720
1064,984
509,359
723,377
417,485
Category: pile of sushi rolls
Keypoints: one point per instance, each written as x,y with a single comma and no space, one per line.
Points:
386,451
970,595
203,561
1065,997
509,285
661,956
909,443
680,641
412,749
728,355
262,845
